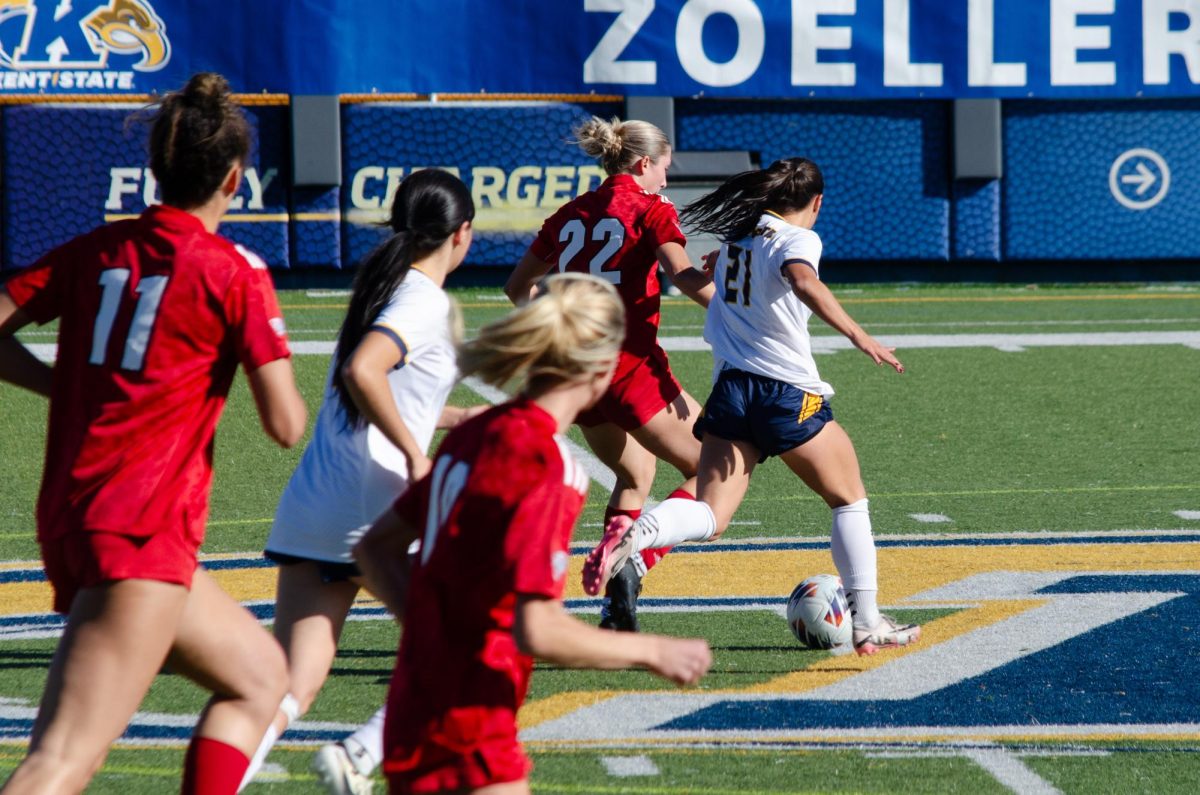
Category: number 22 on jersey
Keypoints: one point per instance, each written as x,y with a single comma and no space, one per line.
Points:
150,291
608,231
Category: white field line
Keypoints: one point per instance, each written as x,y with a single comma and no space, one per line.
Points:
829,344
1161,321
1010,771
629,766
1191,516
931,518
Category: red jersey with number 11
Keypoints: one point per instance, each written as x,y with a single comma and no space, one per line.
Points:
496,515
155,315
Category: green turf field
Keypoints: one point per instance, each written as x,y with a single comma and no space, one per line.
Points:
1026,412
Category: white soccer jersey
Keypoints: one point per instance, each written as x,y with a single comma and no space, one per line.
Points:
755,322
349,475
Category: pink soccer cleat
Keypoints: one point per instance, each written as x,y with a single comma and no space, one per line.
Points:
614,549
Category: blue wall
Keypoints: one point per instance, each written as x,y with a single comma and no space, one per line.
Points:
1084,180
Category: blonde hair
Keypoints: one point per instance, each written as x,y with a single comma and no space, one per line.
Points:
571,331
619,144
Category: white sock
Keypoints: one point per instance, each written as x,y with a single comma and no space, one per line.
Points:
365,746
673,521
290,709
853,550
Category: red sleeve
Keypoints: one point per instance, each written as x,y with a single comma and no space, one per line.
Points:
662,223
257,323
546,242
536,546
41,289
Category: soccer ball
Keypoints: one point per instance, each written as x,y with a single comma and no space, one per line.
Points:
818,614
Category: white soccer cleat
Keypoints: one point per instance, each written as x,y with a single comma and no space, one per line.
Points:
336,770
887,634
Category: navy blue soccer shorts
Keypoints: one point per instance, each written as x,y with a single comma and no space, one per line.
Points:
773,416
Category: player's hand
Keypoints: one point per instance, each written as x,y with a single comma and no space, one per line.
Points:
880,354
418,467
709,261
682,660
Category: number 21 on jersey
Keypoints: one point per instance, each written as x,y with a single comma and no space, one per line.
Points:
608,231
737,266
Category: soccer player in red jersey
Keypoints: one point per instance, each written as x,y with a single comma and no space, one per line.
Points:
483,596
621,232
155,314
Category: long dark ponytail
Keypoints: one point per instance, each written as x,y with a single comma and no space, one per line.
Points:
732,211
430,205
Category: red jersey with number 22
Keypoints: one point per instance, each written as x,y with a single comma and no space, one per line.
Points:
614,232
496,515
155,315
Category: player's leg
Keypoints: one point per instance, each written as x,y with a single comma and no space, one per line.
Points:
116,639
828,464
634,467
221,646
668,436
309,616
724,475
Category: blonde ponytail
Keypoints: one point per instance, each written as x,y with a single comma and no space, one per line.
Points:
570,332
619,144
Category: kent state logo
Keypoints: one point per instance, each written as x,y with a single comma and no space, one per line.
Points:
67,45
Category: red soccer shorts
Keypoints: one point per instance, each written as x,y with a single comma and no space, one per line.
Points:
83,559
643,386
436,768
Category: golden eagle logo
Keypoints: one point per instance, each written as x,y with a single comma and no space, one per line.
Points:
67,34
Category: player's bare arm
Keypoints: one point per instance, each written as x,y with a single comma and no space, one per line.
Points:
522,283
817,297
365,374
17,365
542,628
280,406
453,416
382,557
695,284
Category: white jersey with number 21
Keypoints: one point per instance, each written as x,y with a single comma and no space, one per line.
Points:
755,322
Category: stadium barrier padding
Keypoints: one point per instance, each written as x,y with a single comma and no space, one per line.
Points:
891,195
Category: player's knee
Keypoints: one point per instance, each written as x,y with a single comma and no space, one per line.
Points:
267,680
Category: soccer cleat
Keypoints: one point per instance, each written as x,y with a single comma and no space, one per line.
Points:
609,555
887,634
337,772
620,600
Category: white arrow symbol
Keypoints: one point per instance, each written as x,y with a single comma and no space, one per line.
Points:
1144,178
56,50
64,8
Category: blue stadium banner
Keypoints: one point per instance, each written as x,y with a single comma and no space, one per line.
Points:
1101,49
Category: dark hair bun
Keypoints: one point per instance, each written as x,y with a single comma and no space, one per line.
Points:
206,91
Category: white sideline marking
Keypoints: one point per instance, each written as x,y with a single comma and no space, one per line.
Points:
592,465
1191,516
328,293
828,344
1010,771
931,518
272,771
627,766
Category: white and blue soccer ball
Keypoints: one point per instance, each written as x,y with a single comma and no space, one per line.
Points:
818,614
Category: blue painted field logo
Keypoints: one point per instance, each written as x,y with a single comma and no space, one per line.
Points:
67,46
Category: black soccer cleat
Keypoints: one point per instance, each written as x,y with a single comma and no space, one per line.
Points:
620,600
